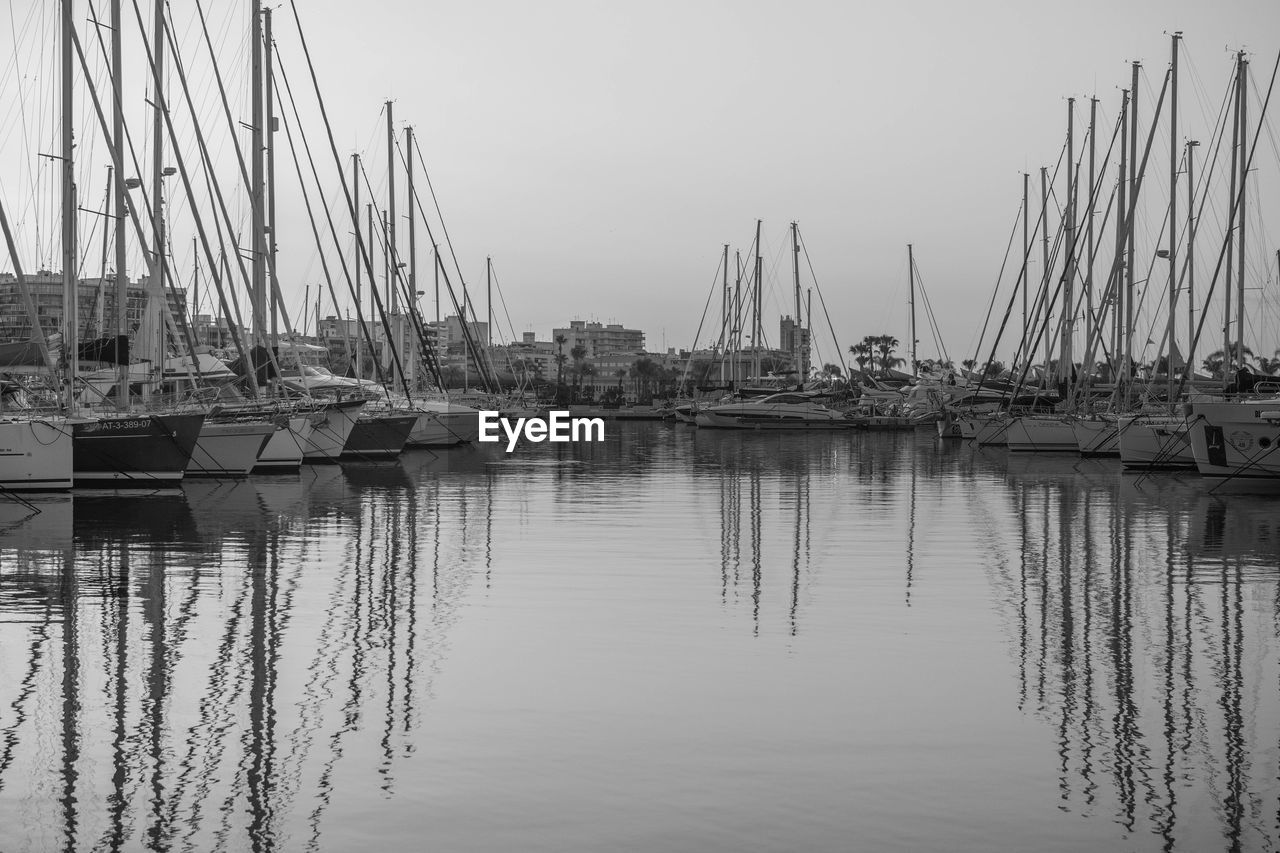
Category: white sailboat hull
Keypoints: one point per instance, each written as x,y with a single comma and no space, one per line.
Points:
330,429
1041,435
1236,440
284,449
1097,437
35,454
1155,442
228,449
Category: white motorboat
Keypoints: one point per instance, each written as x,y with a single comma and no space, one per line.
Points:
777,411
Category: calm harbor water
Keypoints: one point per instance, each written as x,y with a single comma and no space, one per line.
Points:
669,641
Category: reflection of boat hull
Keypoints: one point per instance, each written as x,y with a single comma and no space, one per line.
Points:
35,455
330,429
228,449
1236,439
378,436
1041,435
1097,437
1155,442
143,450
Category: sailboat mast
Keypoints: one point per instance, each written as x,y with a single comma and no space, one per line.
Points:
488,298
117,145
1173,211
389,229
726,331
1244,195
755,302
1231,224
1044,255
1120,349
1069,271
256,191
413,235
1092,327
795,329
1131,224
70,302
1191,258
911,299
157,193
1026,249
269,131
355,182
737,316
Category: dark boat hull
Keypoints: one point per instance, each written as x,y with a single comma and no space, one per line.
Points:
378,437
142,451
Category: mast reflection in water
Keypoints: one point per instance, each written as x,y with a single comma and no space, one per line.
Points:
668,640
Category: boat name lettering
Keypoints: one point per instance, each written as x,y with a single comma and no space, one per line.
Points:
557,427
118,425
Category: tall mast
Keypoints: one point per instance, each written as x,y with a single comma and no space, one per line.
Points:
70,302
413,237
269,131
389,230
488,282
1069,269
1244,175
256,190
435,257
1173,209
392,296
355,182
1121,349
1044,254
911,299
1026,250
1092,328
757,320
1131,224
795,329
117,145
737,314
1191,258
1231,224
726,333
157,193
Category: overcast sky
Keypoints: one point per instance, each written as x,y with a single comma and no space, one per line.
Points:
603,153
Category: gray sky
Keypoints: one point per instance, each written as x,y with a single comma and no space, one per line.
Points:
603,153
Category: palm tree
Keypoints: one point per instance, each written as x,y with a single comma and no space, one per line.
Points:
862,353
1214,361
885,345
560,359
833,370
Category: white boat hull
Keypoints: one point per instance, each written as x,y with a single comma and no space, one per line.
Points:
284,449
330,429
228,449
35,454
1236,440
1100,437
1041,435
1155,442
